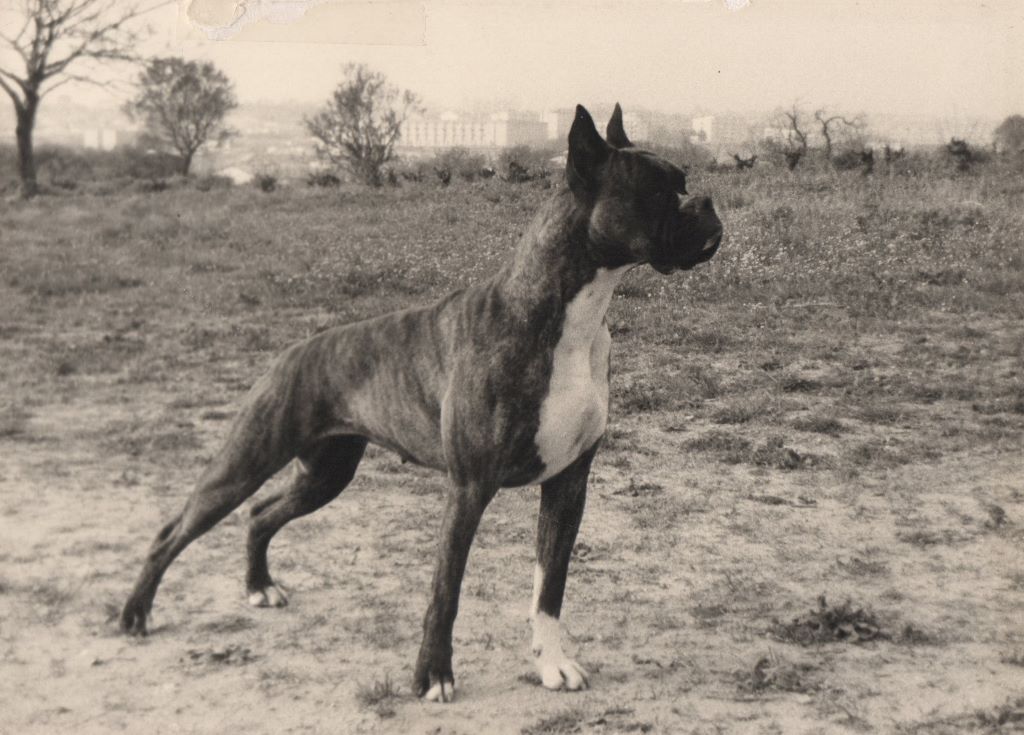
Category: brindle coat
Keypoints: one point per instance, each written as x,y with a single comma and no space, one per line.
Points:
458,386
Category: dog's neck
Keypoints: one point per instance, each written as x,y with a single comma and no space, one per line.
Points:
552,261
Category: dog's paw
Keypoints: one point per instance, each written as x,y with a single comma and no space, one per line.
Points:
557,671
269,596
560,672
133,618
442,690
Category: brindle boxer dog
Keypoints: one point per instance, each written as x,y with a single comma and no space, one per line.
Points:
504,384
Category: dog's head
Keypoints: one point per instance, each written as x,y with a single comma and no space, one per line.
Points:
638,211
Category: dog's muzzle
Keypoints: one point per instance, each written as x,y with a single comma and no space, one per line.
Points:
710,248
704,230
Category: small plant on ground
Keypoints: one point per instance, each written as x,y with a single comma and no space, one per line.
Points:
563,723
828,624
379,696
773,672
820,425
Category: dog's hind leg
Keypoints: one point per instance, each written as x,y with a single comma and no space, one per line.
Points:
323,472
561,509
249,458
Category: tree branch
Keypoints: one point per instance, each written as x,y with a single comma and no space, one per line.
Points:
71,78
13,40
18,104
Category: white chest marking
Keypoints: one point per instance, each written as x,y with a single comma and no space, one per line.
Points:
575,410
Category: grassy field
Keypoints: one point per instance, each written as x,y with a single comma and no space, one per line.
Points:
808,514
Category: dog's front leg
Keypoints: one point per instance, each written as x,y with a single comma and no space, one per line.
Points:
466,503
561,508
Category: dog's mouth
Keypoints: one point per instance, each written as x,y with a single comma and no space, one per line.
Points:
705,254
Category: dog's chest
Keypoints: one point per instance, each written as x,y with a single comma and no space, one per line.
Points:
574,411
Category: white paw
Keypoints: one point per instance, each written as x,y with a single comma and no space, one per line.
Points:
270,596
557,671
443,691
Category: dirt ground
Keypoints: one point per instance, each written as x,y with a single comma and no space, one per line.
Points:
670,606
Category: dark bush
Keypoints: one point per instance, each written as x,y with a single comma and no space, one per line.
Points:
460,162
265,182
854,158
522,163
140,164
212,181
415,170
151,186
324,179
963,156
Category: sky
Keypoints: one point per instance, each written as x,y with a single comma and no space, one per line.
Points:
929,57
938,58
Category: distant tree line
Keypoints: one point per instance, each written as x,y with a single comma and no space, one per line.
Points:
182,106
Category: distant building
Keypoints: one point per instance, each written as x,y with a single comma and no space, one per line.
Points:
238,176
702,129
721,132
778,135
101,139
637,129
450,130
558,123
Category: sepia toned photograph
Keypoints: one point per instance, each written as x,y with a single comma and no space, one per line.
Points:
438,367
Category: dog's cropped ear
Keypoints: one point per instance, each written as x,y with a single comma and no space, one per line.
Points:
616,133
587,153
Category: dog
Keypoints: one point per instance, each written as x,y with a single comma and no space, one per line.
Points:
503,384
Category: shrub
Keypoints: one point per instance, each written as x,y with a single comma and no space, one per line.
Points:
414,171
522,163
847,160
323,179
212,181
963,155
460,162
443,174
138,163
152,186
265,182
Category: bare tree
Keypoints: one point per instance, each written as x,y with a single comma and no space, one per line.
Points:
867,160
183,105
834,126
42,41
742,163
362,122
796,139
893,153
962,154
